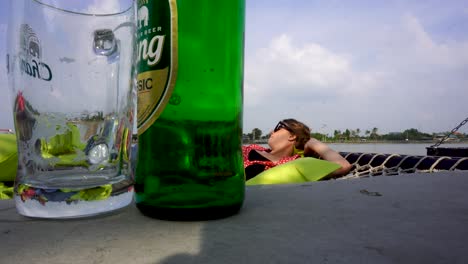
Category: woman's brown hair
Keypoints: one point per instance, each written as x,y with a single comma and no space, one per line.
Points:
300,130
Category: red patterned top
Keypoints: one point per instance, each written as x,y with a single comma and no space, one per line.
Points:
268,164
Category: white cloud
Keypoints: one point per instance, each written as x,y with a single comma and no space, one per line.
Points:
420,69
309,71
400,78
411,48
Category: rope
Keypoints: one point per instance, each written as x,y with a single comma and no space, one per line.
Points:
419,162
395,170
431,169
384,172
457,163
367,170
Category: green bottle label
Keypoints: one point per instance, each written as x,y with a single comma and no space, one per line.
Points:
156,59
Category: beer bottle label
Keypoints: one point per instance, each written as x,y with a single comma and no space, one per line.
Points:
156,59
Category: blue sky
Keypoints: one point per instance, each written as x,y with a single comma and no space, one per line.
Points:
345,64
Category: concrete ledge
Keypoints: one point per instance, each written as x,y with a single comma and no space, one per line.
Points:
419,218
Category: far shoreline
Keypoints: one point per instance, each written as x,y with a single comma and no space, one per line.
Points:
431,142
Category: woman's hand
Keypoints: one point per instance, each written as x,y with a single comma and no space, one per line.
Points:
314,147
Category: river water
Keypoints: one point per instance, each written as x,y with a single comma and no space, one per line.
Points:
387,148
404,148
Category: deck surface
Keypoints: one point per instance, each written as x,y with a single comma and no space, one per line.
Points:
419,218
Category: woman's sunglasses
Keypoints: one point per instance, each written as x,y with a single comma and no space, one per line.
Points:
281,125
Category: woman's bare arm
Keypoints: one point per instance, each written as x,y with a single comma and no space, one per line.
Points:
314,147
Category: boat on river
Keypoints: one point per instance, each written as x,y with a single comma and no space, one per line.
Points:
447,151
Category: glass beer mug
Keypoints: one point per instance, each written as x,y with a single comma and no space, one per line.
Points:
71,74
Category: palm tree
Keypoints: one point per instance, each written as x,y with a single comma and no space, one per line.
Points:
257,133
374,132
353,133
336,134
347,133
367,133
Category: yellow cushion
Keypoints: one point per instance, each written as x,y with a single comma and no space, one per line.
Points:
8,157
296,171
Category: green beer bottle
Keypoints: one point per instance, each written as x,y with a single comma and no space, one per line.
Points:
190,81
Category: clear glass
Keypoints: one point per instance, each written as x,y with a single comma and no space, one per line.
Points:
71,72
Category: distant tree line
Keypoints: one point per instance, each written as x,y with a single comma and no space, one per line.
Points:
93,117
357,135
